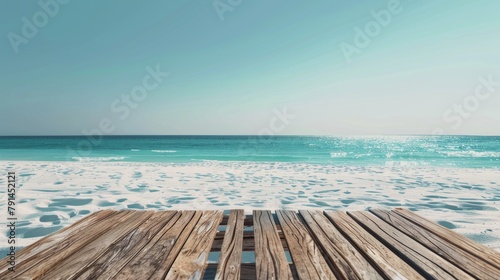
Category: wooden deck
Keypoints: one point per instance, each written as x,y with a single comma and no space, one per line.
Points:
378,244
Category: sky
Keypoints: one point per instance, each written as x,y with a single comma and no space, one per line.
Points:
324,67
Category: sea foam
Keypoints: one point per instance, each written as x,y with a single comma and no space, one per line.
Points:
94,159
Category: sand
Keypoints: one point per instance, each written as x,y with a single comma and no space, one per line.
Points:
52,195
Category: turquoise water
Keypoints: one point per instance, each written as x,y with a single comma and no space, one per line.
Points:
450,151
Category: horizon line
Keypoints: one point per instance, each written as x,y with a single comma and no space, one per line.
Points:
248,135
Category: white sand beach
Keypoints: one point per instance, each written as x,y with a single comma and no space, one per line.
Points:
52,195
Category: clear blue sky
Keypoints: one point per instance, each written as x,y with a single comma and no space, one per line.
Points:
230,70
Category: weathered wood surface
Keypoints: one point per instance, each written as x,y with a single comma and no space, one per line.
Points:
466,261
306,255
128,244
429,264
47,259
270,256
248,221
191,261
47,242
346,260
232,247
70,266
386,261
480,251
248,241
121,252
154,261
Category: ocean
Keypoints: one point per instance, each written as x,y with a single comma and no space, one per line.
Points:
445,151
452,180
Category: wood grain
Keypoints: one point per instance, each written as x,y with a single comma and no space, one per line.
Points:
270,256
482,252
248,222
47,259
155,260
121,252
306,255
176,244
50,240
428,263
344,259
232,247
387,263
440,246
192,260
248,241
70,266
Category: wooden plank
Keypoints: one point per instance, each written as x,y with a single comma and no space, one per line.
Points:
70,266
232,247
451,253
191,261
156,259
247,271
427,262
482,252
270,259
121,252
47,242
47,259
248,222
358,245
344,259
387,263
248,241
306,255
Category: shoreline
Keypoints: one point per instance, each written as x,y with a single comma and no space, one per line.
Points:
53,195
388,164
